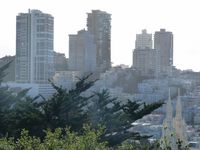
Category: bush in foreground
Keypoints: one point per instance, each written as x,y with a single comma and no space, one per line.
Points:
59,139
65,139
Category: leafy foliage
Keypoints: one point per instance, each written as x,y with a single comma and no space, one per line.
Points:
65,139
62,139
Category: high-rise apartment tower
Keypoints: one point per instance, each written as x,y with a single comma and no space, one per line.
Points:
144,57
34,47
163,43
99,25
82,52
144,40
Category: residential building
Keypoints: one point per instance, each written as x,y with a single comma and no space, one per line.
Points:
144,61
43,90
82,52
144,57
163,43
66,79
10,71
99,25
60,62
144,40
34,47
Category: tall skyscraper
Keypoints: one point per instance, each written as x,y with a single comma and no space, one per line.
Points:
163,43
144,57
82,52
99,25
34,47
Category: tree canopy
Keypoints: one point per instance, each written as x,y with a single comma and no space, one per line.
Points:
70,108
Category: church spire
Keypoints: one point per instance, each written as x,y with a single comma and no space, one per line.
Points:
174,124
178,106
179,122
169,113
168,128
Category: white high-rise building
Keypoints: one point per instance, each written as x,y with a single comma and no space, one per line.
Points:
143,41
82,52
34,47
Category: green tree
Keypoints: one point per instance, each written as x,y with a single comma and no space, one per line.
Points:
102,110
18,111
59,139
25,114
117,118
7,99
66,107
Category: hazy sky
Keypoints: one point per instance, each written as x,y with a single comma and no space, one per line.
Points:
129,17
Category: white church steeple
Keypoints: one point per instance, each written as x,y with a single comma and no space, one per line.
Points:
179,122
174,127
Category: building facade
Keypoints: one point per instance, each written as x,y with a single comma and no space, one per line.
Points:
163,43
82,52
34,47
67,79
144,57
144,61
60,62
99,25
144,40
10,71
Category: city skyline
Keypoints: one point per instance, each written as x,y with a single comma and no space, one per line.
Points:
127,21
